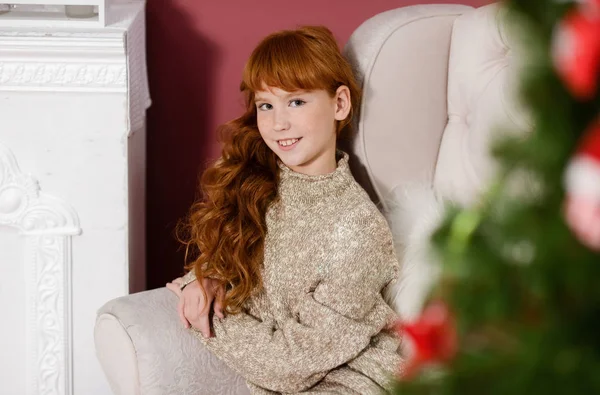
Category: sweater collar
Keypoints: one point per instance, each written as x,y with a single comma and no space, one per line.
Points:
297,188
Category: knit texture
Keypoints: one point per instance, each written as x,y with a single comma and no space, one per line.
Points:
320,325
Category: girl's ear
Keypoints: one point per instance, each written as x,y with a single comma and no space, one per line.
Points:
342,103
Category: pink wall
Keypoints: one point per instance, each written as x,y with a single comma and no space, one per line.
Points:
196,52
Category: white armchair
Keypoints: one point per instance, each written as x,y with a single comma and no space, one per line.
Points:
435,78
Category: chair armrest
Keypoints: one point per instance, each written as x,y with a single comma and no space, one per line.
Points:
144,350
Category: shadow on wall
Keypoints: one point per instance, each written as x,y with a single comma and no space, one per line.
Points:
181,66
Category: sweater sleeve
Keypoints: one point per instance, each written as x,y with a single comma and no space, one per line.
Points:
329,326
188,278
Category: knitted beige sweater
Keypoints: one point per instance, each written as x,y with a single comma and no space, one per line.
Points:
319,325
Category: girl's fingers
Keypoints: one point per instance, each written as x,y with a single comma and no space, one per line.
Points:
196,314
180,307
218,304
203,325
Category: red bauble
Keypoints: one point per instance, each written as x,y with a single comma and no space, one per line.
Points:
577,50
582,184
433,335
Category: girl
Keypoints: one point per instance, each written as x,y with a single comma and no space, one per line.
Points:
286,242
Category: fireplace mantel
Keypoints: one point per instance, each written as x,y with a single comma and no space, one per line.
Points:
72,194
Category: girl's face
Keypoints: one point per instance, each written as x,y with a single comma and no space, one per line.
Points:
300,126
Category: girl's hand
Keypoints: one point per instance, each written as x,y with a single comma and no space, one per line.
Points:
193,308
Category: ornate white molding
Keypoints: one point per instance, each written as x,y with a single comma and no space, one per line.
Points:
47,225
111,59
58,58
63,76
52,61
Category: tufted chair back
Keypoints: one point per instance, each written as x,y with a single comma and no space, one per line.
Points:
438,83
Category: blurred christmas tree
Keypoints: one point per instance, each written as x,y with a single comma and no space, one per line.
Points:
517,310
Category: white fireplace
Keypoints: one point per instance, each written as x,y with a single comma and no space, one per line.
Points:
72,194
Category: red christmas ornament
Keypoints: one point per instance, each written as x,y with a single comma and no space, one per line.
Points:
577,50
433,335
582,184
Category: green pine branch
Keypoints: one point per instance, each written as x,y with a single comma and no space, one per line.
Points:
524,291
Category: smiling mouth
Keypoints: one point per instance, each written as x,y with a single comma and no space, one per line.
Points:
288,142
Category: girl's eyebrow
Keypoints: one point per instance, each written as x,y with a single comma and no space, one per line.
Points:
289,95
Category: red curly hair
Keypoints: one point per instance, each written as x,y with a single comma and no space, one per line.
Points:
225,230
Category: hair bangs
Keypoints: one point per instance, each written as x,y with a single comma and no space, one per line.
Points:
289,62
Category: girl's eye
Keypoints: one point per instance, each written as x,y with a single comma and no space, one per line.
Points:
297,103
265,106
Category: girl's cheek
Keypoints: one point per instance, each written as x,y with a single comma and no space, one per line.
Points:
264,121
262,126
